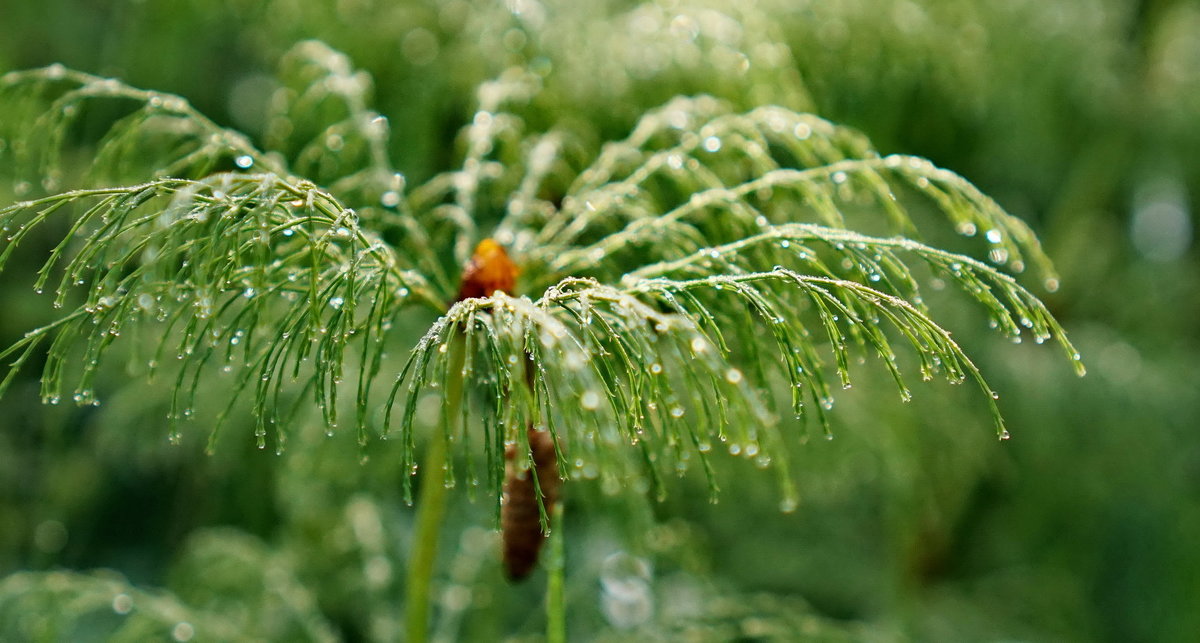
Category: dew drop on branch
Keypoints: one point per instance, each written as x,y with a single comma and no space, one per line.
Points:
122,604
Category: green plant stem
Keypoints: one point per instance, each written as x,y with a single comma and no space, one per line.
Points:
556,609
431,505
431,509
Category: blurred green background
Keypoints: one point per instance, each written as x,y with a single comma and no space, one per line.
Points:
1080,116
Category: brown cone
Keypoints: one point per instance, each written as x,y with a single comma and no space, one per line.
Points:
520,519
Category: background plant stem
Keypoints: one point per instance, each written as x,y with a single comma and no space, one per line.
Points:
556,607
431,509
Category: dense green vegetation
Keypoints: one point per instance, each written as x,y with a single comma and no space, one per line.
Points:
914,523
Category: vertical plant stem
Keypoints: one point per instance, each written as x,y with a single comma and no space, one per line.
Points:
556,608
431,509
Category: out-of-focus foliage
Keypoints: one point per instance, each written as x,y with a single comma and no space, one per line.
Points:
1081,117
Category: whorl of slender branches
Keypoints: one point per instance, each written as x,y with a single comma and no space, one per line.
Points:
669,290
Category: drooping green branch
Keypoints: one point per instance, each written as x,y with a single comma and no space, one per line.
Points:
161,136
693,175
252,271
874,261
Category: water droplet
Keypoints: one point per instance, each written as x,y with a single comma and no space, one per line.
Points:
966,228
787,505
122,604
244,161
802,131
334,142
183,632
590,400
656,368
337,302
390,199
677,411
627,599
1004,434
712,144
733,376
994,235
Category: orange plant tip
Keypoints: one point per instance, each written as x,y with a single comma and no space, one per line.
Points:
488,271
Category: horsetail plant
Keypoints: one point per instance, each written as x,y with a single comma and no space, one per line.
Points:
690,289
